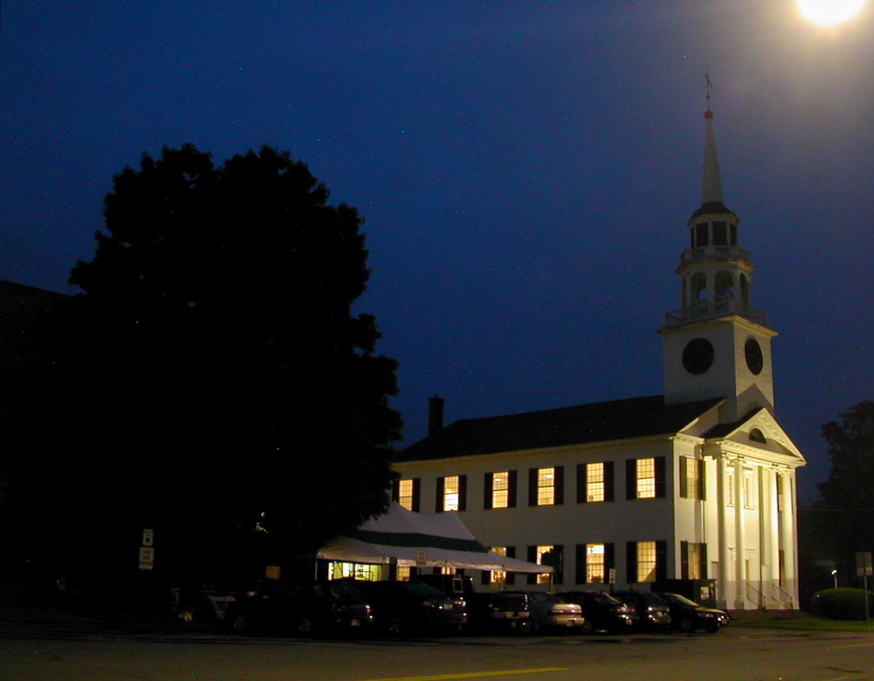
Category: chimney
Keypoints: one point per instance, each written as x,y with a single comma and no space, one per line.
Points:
435,414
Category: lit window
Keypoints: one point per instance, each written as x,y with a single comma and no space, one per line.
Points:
404,573
729,486
595,564
405,494
450,493
748,489
498,577
595,482
545,486
694,561
779,481
544,556
646,479
646,561
691,483
501,489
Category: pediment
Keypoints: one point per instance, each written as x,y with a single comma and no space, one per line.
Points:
757,436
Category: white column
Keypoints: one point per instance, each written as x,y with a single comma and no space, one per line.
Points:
723,586
739,538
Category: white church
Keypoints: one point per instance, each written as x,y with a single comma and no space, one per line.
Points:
694,489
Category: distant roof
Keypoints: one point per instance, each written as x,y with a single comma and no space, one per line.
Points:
20,308
597,422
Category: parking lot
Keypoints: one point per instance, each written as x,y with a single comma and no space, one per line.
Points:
55,647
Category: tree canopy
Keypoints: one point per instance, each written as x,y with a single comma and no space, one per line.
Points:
850,484
212,380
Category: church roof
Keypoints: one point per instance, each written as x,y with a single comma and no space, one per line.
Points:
597,422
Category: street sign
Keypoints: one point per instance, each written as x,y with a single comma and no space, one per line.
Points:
147,558
864,566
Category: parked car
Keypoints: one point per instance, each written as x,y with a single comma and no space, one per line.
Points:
501,612
545,611
688,616
324,608
403,607
602,612
652,611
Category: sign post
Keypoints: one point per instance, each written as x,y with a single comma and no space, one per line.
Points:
865,567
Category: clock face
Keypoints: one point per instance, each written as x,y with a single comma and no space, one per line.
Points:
698,356
753,353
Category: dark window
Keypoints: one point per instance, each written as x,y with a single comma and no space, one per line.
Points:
701,234
720,234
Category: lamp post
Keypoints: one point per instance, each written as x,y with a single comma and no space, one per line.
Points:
835,575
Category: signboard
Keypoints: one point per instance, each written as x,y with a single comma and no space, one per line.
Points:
147,558
420,558
864,566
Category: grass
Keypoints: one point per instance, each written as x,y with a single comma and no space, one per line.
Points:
805,623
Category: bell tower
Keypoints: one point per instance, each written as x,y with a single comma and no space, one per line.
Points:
717,344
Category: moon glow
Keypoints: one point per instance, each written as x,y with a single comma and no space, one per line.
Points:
830,12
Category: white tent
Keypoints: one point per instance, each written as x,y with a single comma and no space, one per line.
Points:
423,540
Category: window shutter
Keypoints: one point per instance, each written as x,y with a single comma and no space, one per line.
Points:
558,564
532,558
684,560
684,481
580,564
702,481
631,479
395,489
532,487
439,505
511,576
417,493
702,551
631,562
488,487
581,490
485,577
558,485
512,486
462,492
609,559
660,477
608,481
661,561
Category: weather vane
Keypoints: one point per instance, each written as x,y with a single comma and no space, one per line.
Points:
709,85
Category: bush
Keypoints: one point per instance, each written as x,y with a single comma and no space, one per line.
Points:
842,604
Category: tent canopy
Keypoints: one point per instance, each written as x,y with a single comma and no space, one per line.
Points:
424,540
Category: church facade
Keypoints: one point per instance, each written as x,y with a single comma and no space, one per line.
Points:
694,488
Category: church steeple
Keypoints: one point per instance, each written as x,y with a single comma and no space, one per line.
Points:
717,344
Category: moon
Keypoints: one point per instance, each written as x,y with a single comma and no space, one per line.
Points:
830,12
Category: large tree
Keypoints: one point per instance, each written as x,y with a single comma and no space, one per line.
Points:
212,382
850,484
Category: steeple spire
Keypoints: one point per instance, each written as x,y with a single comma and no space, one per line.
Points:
711,192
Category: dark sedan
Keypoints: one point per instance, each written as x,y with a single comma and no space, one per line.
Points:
405,607
689,616
317,609
652,611
602,612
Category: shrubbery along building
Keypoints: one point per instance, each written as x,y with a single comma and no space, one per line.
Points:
696,485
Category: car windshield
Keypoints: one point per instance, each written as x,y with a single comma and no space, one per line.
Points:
677,598
422,590
510,601
605,599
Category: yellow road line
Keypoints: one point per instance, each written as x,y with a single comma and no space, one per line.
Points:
854,645
474,675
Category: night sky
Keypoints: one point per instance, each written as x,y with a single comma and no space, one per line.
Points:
526,170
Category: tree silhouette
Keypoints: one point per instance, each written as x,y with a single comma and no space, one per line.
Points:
851,450
211,382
